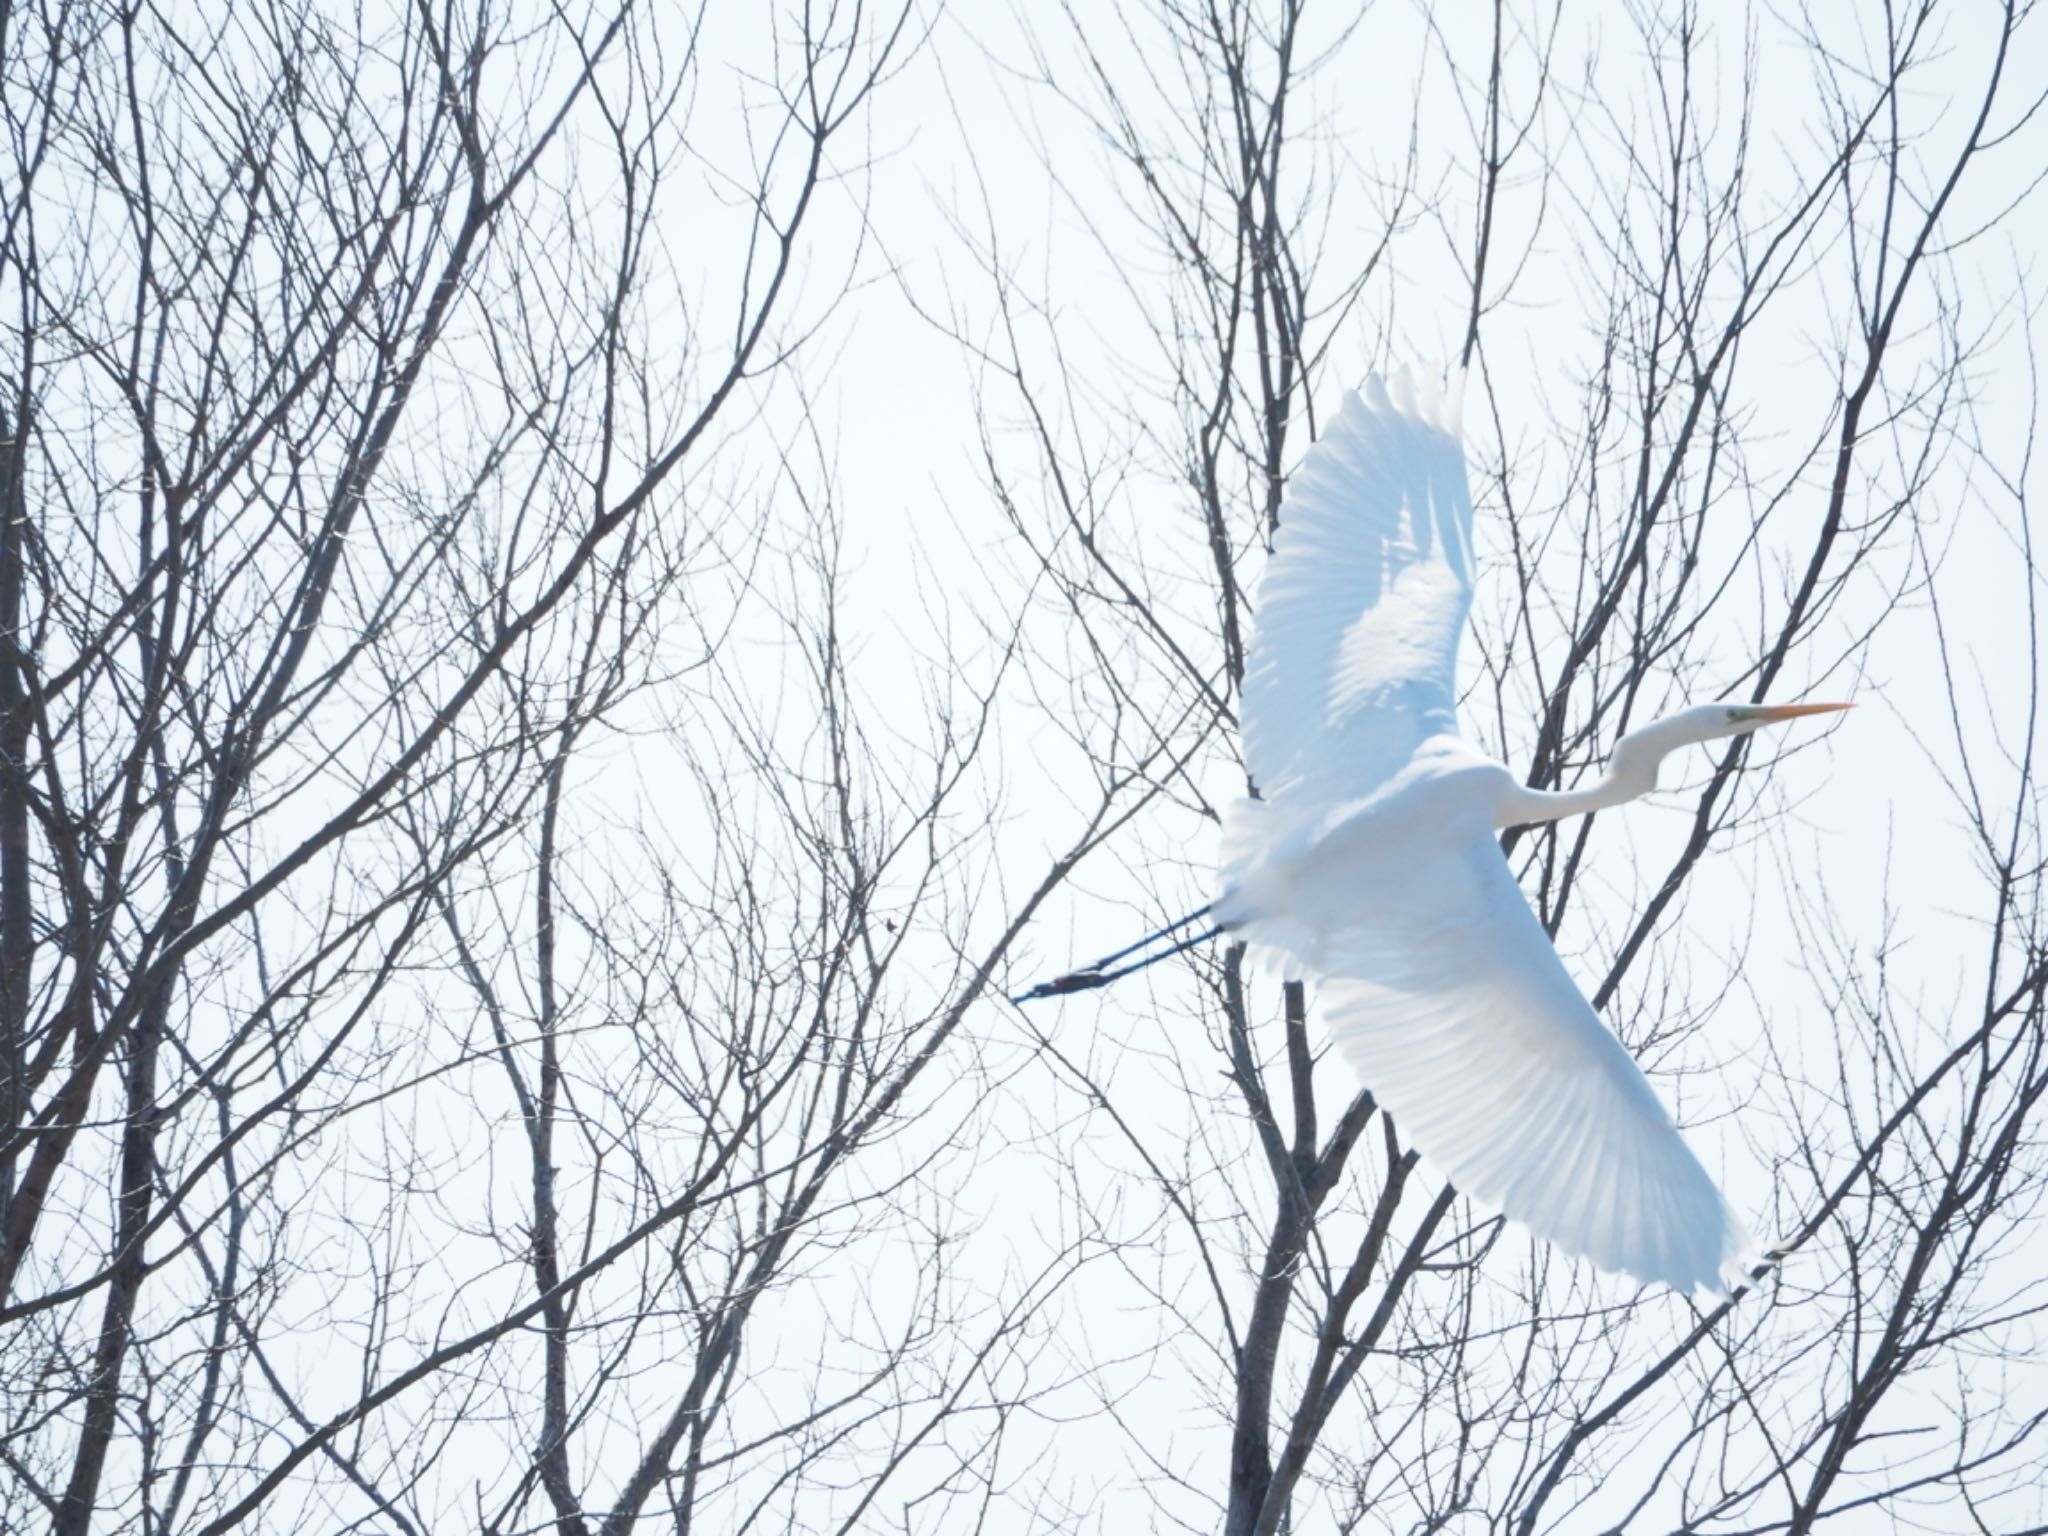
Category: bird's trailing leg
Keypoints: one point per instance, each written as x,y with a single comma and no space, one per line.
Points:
1098,973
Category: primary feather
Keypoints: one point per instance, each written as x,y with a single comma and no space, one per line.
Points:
1371,862
1355,647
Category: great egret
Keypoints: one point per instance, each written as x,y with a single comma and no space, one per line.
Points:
1373,863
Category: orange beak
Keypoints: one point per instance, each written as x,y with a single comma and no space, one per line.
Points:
1771,714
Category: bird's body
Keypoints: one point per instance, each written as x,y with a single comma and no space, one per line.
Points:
1287,868
1370,862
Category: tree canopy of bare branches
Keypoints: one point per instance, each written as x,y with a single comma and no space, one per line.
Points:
1754,416
382,1147
585,588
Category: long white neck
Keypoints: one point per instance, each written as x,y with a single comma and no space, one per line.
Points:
1631,774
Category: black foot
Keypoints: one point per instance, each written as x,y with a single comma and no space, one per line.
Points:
1073,981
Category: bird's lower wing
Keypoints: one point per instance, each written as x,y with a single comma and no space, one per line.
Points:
1457,1013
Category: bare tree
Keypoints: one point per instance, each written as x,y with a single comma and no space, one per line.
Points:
498,1015
458,1022
1663,525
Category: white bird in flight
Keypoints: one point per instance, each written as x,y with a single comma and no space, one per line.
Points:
1373,862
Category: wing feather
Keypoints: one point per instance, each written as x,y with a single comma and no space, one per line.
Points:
1437,982
1457,1013
1353,655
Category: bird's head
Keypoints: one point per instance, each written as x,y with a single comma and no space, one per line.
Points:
1711,722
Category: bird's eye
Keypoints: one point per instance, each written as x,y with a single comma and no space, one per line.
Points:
1734,714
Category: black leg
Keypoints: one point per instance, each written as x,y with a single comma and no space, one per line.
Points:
1131,949
1090,977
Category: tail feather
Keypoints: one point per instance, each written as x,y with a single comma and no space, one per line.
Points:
1250,902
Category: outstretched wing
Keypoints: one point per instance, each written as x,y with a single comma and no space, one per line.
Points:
1450,1001
1354,646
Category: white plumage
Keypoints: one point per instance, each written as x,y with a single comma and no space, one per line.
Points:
1372,861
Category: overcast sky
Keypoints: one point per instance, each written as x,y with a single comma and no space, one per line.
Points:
973,152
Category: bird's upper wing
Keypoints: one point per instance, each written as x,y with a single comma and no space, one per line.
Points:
1450,1001
1354,645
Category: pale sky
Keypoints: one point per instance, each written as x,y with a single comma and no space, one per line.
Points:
1867,814
971,158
